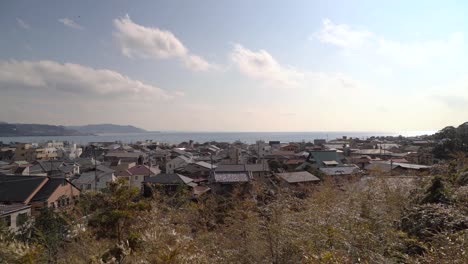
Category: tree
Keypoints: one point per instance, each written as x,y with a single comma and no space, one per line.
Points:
436,192
115,211
50,230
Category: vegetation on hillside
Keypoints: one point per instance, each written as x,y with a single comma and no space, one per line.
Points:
368,220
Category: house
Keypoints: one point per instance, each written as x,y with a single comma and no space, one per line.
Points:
177,163
343,170
324,158
136,175
119,165
95,180
54,168
290,147
125,156
298,177
14,215
373,153
253,170
170,182
7,154
225,182
397,168
37,191
86,164
280,155
25,151
199,169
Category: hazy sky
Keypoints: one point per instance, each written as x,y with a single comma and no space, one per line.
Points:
236,65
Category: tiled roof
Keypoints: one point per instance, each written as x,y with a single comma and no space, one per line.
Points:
9,208
169,179
341,170
231,177
143,170
297,177
15,188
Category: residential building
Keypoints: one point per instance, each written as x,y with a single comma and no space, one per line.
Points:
177,163
38,191
95,180
14,215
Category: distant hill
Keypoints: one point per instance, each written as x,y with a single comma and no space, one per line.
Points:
106,128
18,130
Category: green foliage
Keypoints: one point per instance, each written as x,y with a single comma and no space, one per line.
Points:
426,221
114,213
371,221
436,192
50,230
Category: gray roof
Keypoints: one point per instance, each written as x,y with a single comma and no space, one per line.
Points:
231,177
372,152
205,164
6,209
297,177
168,179
243,167
412,166
125,154
386,166
341,170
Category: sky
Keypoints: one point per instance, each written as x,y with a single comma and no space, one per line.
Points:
236,65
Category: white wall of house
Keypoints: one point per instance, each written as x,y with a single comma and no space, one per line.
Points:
86,181
174,164
13,219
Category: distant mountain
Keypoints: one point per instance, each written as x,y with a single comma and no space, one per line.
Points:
106,128
18,130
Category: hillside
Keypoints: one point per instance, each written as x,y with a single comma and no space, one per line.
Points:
107,128
18,130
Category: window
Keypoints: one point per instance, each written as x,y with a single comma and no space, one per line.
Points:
136,177
21,219
89,187
6,220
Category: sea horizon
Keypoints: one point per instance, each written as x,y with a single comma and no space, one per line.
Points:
175,137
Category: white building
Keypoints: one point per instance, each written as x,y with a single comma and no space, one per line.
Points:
14,215
95,180
177,162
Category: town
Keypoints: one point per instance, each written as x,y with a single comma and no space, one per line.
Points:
53,174
43,182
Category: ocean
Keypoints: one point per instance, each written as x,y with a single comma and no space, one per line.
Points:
201,137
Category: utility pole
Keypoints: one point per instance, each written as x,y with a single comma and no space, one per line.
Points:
95,167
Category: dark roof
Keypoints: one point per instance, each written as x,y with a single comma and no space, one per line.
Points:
51,185
15,188
242,167
168,179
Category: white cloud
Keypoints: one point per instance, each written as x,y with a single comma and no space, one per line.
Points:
404,53
342,35
22,23
70,23
153,43
262,66
51,77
